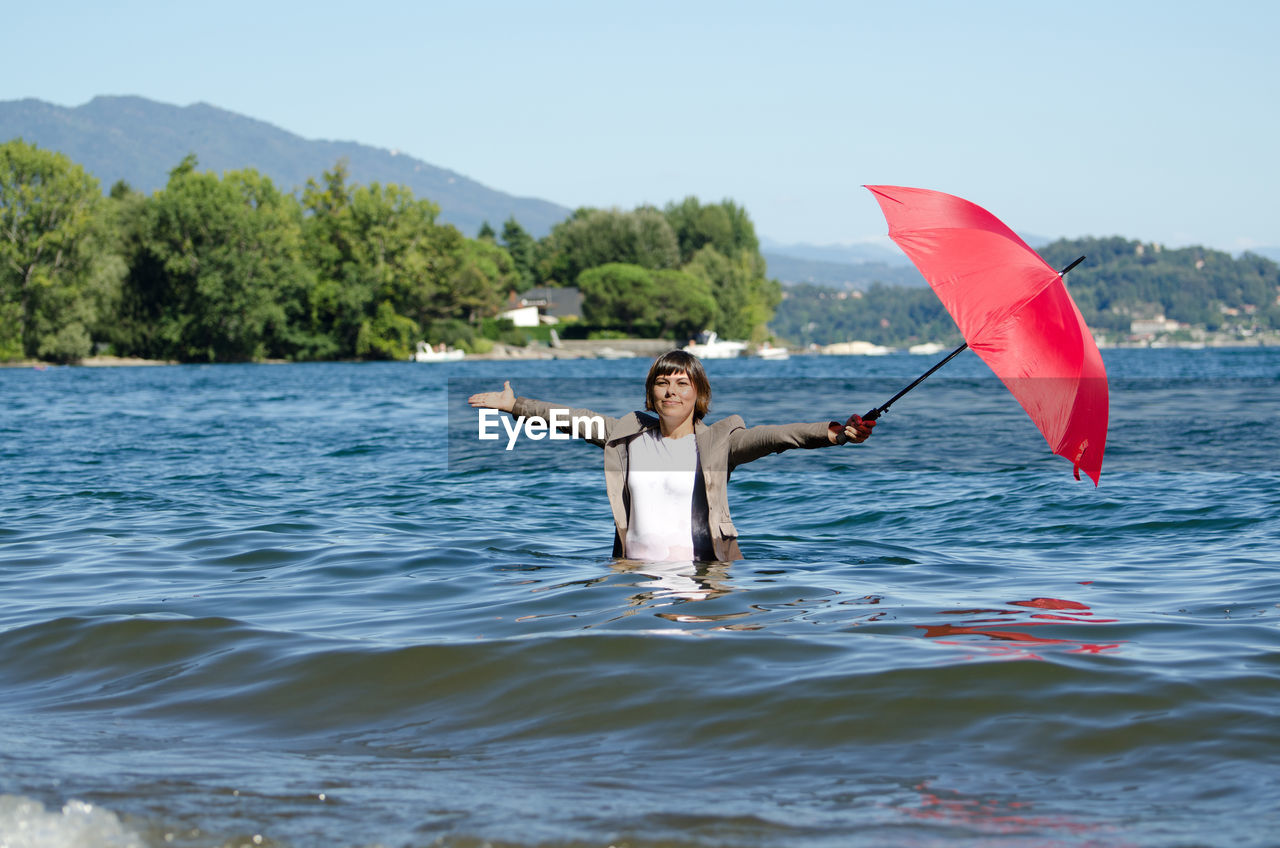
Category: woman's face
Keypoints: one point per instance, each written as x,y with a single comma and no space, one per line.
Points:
675,397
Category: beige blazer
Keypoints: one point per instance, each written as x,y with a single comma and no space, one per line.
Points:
722,447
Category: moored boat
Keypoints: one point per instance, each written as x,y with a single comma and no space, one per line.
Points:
856,348
439,353
768,351
710,346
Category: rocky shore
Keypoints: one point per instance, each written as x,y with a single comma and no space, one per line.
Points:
90,362
649,348
580,349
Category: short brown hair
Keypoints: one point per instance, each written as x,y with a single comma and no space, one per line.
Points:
673,362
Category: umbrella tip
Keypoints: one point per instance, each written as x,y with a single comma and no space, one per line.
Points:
1078,458
1075,461
1064,271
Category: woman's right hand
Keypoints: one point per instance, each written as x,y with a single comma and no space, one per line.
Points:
504,400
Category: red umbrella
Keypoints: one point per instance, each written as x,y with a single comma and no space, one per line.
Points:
1013,311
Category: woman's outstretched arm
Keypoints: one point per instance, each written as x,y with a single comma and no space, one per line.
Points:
578,423
747,444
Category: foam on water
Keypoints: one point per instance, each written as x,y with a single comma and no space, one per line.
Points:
26,823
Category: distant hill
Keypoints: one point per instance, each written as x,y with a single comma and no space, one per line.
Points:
1128,291
841,275
842,254
847,266
839,266
140,141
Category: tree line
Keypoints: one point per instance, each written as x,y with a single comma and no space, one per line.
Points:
1124,279
1121,280
230,268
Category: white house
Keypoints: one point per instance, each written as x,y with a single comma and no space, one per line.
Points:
543,305
522,316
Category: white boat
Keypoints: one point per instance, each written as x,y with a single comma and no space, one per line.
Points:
926,349
709,346
858,348
440,353
768,351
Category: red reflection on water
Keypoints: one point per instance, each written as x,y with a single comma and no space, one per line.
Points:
991,815
1011,625
1051,603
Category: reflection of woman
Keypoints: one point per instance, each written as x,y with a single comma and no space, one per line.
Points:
668,491
677,581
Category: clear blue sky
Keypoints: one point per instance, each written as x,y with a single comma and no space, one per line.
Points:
1152,120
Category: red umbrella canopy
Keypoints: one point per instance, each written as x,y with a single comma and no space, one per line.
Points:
1014,312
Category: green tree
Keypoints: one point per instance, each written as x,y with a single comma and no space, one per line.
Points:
718,243
642,302
218,258
360,240
618,295
523,249
58,272
125,214
402,255
594,237
481,275
387,335
724,226
745,298
376,248
342,298
685,304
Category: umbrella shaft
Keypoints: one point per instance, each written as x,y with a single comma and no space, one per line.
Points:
880,410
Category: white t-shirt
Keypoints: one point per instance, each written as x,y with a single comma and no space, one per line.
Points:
663,480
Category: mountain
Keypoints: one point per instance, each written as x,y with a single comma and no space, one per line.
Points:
847,266
140,141
841,254
840,275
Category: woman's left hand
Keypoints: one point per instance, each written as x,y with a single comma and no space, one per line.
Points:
855,430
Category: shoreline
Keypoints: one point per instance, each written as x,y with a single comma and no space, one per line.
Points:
508,353
88,362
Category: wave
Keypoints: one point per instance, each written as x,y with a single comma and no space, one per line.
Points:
1049,673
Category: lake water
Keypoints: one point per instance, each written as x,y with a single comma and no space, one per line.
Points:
303,605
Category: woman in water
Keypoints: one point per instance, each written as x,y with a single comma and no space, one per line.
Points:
668,491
